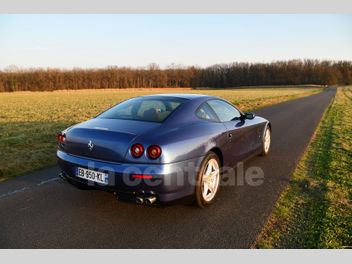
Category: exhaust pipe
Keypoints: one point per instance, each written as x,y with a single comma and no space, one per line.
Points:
150,200
139,200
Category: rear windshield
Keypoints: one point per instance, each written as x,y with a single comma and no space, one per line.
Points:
152,109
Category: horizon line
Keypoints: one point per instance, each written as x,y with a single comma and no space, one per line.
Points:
17,68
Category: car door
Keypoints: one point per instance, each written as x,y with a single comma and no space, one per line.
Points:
241,134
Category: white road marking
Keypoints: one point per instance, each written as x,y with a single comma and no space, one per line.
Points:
27,188
47,181
14,192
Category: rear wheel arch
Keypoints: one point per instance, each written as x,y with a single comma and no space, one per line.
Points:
218,152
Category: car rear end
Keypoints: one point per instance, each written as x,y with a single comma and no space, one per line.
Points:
111,154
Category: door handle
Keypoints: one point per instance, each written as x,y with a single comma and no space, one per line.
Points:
230,135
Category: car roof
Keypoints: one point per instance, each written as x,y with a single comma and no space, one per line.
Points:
188,96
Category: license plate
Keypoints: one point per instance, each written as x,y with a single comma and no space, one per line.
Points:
91,175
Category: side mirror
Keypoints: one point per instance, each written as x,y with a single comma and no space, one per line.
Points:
249,115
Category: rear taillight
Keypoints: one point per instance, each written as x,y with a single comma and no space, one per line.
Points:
154,151
137,150
141,176
61,138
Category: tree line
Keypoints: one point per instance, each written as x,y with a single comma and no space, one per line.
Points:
292,72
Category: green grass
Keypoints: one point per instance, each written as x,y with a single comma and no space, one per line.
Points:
29,121
315,210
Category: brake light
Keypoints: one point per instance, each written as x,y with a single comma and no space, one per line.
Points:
141,176
154,151
137,150
61,138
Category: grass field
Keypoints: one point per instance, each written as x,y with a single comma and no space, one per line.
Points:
29,121
315,210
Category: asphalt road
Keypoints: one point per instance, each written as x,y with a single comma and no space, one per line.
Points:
41,211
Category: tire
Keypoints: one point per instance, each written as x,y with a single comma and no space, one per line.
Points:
266,141
204,197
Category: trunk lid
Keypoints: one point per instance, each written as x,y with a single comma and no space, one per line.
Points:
104,139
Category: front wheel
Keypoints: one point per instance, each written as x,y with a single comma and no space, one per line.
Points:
208,180
266,141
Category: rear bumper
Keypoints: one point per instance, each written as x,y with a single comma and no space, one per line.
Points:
169,181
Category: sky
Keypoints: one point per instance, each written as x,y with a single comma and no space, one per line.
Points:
86,41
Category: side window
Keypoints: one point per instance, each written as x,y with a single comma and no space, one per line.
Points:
205,112
224,111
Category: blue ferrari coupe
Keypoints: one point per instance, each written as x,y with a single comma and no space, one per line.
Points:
160,148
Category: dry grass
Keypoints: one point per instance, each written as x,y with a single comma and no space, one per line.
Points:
29,121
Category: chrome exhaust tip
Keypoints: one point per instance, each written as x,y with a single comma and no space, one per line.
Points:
139,200
150,200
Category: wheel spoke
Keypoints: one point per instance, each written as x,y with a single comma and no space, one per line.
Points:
214,174
208,170
211,188
205,189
